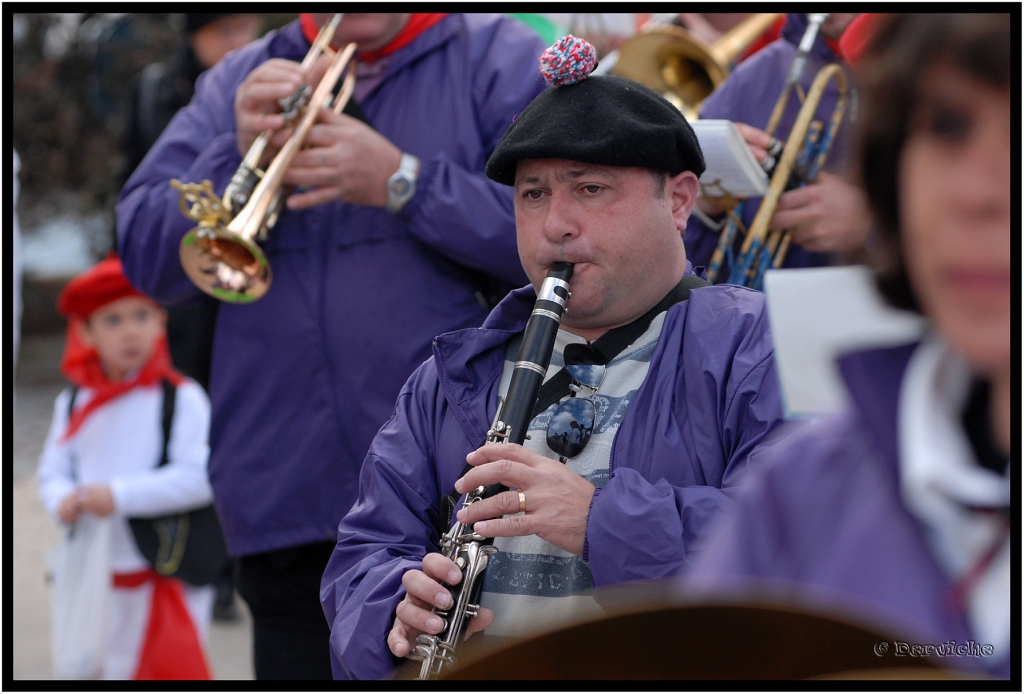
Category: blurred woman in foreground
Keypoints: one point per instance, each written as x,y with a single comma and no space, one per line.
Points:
897,510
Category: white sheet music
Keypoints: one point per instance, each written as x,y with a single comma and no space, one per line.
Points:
731,167
818,314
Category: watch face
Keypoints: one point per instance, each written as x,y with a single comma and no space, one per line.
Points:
401,186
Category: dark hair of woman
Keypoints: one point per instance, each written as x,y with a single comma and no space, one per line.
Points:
904,50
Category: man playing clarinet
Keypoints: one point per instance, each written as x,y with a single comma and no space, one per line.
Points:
668,387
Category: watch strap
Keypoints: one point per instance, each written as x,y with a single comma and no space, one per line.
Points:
402,183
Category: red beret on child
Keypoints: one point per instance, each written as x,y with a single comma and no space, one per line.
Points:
98,286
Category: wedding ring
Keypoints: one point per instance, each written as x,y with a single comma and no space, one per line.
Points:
522,501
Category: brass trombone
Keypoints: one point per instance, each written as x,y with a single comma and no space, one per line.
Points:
805,152
221,254
672,62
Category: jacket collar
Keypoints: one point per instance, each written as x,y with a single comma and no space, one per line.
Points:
470,361
873,378
430,40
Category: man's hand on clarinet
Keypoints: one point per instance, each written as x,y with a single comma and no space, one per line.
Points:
423,591
557,499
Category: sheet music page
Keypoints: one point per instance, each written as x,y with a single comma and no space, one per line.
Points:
818,314
731,168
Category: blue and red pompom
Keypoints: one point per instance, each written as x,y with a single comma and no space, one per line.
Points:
568,61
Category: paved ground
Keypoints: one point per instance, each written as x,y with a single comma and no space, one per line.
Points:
37,382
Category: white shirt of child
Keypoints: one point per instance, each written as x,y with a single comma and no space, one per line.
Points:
119,444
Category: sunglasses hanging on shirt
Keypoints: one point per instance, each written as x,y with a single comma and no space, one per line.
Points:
572,423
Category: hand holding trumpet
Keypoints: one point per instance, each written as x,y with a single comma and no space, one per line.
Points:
825,216
342,159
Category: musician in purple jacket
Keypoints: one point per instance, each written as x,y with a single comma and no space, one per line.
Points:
826,218
899,507
392,236
604,173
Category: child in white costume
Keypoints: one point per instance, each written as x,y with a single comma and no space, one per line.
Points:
104,460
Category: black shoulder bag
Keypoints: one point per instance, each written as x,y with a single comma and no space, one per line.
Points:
190,545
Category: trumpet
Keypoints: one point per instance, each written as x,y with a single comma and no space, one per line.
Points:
221,254
684,69
805,152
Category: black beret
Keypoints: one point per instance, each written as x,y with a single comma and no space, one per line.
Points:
605,120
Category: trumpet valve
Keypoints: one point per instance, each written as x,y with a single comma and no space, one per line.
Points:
292,105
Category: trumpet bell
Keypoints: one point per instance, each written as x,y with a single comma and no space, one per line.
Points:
226,266
668,59
681,67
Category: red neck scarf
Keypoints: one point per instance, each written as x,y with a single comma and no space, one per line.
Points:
81,365
417,24
855,39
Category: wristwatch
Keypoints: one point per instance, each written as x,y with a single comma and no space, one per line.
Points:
402,184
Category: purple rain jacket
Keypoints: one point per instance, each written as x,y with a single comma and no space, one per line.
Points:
302,379
748,96
822,515
711,396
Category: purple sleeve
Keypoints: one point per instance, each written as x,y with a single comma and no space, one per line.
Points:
387,532
794,498
458,211
199,143
640,530
650,529
648,521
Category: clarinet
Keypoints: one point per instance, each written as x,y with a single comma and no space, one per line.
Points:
470,551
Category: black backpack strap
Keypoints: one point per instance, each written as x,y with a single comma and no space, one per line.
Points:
167,418
71,408
71,402
609,345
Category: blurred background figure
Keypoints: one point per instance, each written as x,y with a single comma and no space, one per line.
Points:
828,217
711,26
128,440
165,87
74,78
899,507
